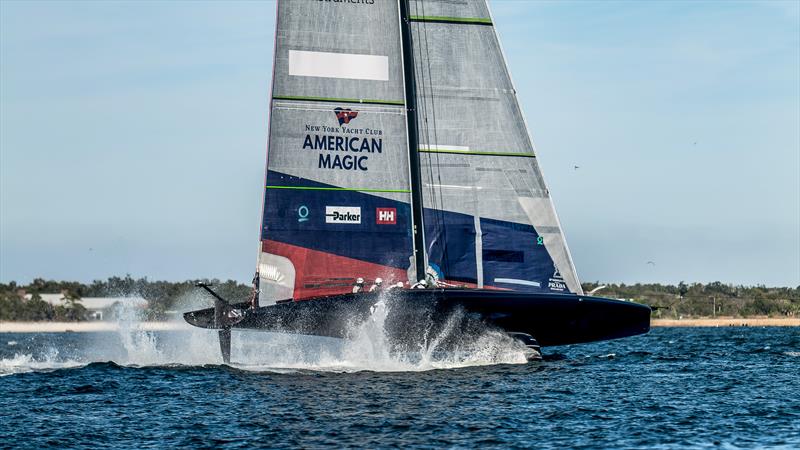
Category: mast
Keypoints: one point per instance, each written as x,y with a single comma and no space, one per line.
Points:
413,141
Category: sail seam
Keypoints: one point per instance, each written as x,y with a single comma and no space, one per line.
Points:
458,20
316,188
341,100
460,152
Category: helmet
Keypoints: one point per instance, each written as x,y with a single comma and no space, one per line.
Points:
360,280
378,280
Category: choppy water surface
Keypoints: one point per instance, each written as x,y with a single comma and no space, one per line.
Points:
672,388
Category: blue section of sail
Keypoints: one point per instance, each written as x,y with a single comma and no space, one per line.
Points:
300,212
450,241
512,255
346,223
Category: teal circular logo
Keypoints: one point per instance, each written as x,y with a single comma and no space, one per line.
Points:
302,213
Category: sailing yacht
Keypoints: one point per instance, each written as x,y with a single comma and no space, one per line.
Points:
399,165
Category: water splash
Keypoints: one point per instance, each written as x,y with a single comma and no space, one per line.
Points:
186,345
48,361
369,347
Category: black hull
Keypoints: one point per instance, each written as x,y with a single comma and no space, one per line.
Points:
552,319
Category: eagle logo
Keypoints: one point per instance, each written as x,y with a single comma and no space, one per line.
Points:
345,115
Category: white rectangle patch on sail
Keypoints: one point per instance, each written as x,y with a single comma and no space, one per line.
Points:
455,148
343,214
338,65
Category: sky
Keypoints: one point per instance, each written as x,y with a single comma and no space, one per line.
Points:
132,136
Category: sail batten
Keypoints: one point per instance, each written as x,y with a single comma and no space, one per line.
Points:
341,100
476,152
316,188
459,20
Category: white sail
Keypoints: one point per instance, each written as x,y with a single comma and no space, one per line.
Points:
489,219
337,194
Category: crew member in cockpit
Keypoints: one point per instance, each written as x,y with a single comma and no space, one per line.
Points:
377,286
359,286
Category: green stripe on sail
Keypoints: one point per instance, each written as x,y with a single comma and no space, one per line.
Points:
472,152
477,20
314,188
341,100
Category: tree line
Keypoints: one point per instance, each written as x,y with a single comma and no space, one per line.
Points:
706,300
162,296
669,301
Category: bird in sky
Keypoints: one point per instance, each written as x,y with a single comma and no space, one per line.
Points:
577,167
651,263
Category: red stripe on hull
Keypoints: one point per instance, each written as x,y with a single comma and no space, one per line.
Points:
319,273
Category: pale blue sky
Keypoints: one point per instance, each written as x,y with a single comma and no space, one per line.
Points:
132,136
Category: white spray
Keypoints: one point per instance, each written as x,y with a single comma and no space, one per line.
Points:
368,348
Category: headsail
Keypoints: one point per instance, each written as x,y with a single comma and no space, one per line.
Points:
489,220
337,194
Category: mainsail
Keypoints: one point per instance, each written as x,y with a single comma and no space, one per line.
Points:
337,194
489,220
349,159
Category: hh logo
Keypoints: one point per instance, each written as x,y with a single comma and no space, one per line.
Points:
345,115
386,216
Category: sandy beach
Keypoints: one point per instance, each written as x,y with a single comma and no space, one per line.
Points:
728,322
86,327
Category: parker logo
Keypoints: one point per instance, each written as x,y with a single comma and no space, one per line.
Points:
386,216
345,115
343,214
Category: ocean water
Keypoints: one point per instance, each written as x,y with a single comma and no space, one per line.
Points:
672,388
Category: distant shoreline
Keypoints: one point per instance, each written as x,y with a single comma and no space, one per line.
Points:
728,322
88,327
